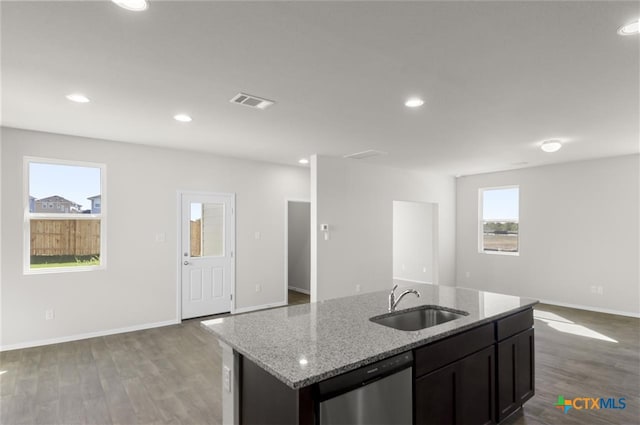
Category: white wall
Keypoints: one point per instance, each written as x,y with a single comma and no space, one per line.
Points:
138,288
299,246
356,200
579,227
414,240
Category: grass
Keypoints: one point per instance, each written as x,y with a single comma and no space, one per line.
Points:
58,261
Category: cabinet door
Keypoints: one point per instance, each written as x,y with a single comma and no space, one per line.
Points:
525,363
435,395
475,395
515,372
507,375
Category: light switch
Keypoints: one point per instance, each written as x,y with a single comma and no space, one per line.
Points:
256,235
160,237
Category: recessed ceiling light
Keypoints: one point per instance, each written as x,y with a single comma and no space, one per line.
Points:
78,98
631,28
551,145
414,102
303,161
182,118
133,5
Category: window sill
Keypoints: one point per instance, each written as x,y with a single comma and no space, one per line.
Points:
52,270
509,254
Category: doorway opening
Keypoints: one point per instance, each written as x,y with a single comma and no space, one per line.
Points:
297,251
415,242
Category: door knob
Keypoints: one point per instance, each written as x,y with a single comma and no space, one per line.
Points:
186,263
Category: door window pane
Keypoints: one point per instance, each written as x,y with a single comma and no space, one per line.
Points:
207,230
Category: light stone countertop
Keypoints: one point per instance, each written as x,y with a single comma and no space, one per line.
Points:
307,343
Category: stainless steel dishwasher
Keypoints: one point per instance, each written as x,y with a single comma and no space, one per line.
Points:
380,393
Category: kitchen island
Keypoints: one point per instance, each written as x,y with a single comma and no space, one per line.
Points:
288,351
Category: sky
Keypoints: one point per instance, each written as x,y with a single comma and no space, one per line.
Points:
71,182
500,204
196,211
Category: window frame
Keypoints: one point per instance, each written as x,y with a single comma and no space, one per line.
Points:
28,216
481,249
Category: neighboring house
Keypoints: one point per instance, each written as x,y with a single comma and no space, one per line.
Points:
56,204
96,203
32,203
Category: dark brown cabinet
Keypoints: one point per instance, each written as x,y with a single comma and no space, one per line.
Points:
435,395
480,376
477,389
461,393
516,373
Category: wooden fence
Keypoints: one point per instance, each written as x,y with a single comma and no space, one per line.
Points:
65,237
196,233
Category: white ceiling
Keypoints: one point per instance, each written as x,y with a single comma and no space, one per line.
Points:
497,78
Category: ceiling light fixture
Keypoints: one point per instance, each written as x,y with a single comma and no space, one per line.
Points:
414,102
133,5
631,28
182,118
78,98
303,161
551,145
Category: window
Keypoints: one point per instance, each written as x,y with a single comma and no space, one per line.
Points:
61,232
499,220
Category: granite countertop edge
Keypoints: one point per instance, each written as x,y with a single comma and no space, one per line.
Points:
380,356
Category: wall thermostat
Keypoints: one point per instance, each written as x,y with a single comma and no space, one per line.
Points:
324,227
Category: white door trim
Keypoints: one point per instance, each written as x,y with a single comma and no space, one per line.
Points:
286,244
178,232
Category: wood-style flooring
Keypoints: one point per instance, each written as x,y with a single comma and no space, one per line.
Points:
172,375
573,366
296,297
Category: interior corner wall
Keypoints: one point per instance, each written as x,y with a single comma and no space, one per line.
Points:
356,200
139,286
579,228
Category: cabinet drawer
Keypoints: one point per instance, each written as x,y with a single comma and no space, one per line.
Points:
513,324
441,353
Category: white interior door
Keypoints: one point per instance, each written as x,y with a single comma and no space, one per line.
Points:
207,255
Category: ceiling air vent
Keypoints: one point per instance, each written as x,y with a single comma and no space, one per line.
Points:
251,101
365,154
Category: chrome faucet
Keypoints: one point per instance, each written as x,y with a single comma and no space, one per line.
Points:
393,303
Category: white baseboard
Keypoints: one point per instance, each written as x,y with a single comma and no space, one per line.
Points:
78,337
259,307
411,280
590,308
303,291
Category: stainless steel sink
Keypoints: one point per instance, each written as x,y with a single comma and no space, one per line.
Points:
418,318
